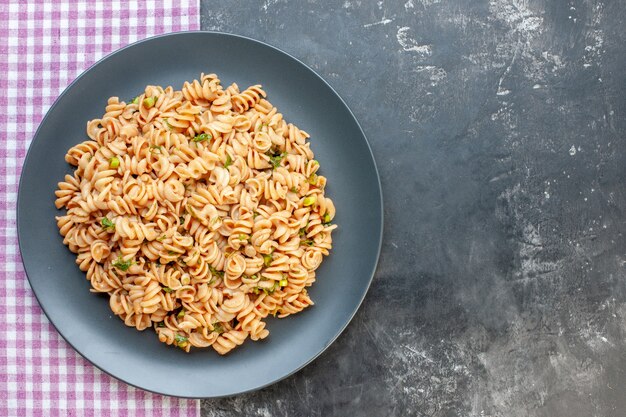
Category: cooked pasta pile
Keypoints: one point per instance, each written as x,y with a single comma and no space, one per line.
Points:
199,212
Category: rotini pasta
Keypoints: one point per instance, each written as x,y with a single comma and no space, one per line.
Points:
199,212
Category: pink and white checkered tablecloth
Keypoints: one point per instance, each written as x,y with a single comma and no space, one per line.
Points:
44,45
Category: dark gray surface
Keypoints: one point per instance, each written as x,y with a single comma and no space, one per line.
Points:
139,358
499,131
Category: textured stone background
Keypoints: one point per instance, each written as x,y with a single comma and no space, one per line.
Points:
499,131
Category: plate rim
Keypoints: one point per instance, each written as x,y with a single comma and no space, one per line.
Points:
381,225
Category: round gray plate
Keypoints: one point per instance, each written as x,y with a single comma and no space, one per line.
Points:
138,358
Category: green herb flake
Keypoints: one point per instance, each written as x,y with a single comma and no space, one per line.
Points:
181,314
149,102
302,232
135,100
218,328
271,290
327,219
202,137
267,259
309,201
215,272
293,190
276,159
283,282
229,161
160,324
114,162
315,162
181,219
167,289
122,265
312,179
181,341
155,149
107,224
243,237
308,242
161,238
